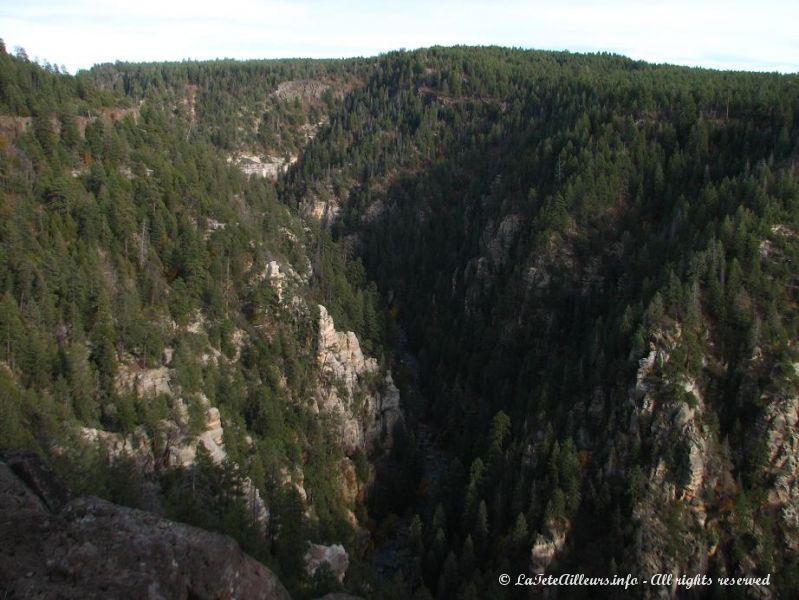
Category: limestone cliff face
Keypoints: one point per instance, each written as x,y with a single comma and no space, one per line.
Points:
687,462
671,420
285,281
179,444
12,127
547,547
779,424
352,392
300,89
55,546
180,451
688,505
268,167
353,389
146,382
691,497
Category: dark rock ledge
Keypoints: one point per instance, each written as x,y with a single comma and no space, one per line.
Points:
54,546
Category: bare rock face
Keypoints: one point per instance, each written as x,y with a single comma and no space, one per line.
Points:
136,445
340,353
669,422
282,278
326,211
303,89
269,167
276,278
334,556
181,451
779,425
349,481
498,239
67,548
29,482
546,548
180,446
184,453
12,127
211,438
368,409
146,382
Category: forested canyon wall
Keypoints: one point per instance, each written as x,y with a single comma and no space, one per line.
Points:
568,278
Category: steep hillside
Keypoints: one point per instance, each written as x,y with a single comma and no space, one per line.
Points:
174,338
577,268
260,113
592,258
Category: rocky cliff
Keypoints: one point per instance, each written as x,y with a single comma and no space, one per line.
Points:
692,497
174,437
352,388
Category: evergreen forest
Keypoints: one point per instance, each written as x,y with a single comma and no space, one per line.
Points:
574,270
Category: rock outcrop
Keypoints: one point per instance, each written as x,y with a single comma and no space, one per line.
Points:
12,127
691,481
352,389
779,426
268,167
136,445
324,211
144,381
180,447
300,89
546,548
334,556
55,546
669,414
340,355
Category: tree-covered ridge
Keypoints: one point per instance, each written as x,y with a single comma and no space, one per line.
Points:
542,222
28,89
264,107
592,257
130,249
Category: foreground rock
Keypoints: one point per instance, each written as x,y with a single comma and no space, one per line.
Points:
55,546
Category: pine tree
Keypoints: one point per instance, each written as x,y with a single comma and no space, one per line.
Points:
448,580
519,535
82,383
291,535
481,524
467,558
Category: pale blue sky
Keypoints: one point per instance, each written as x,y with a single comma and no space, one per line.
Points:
727,34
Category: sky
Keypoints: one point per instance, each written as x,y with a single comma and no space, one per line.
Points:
724,34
